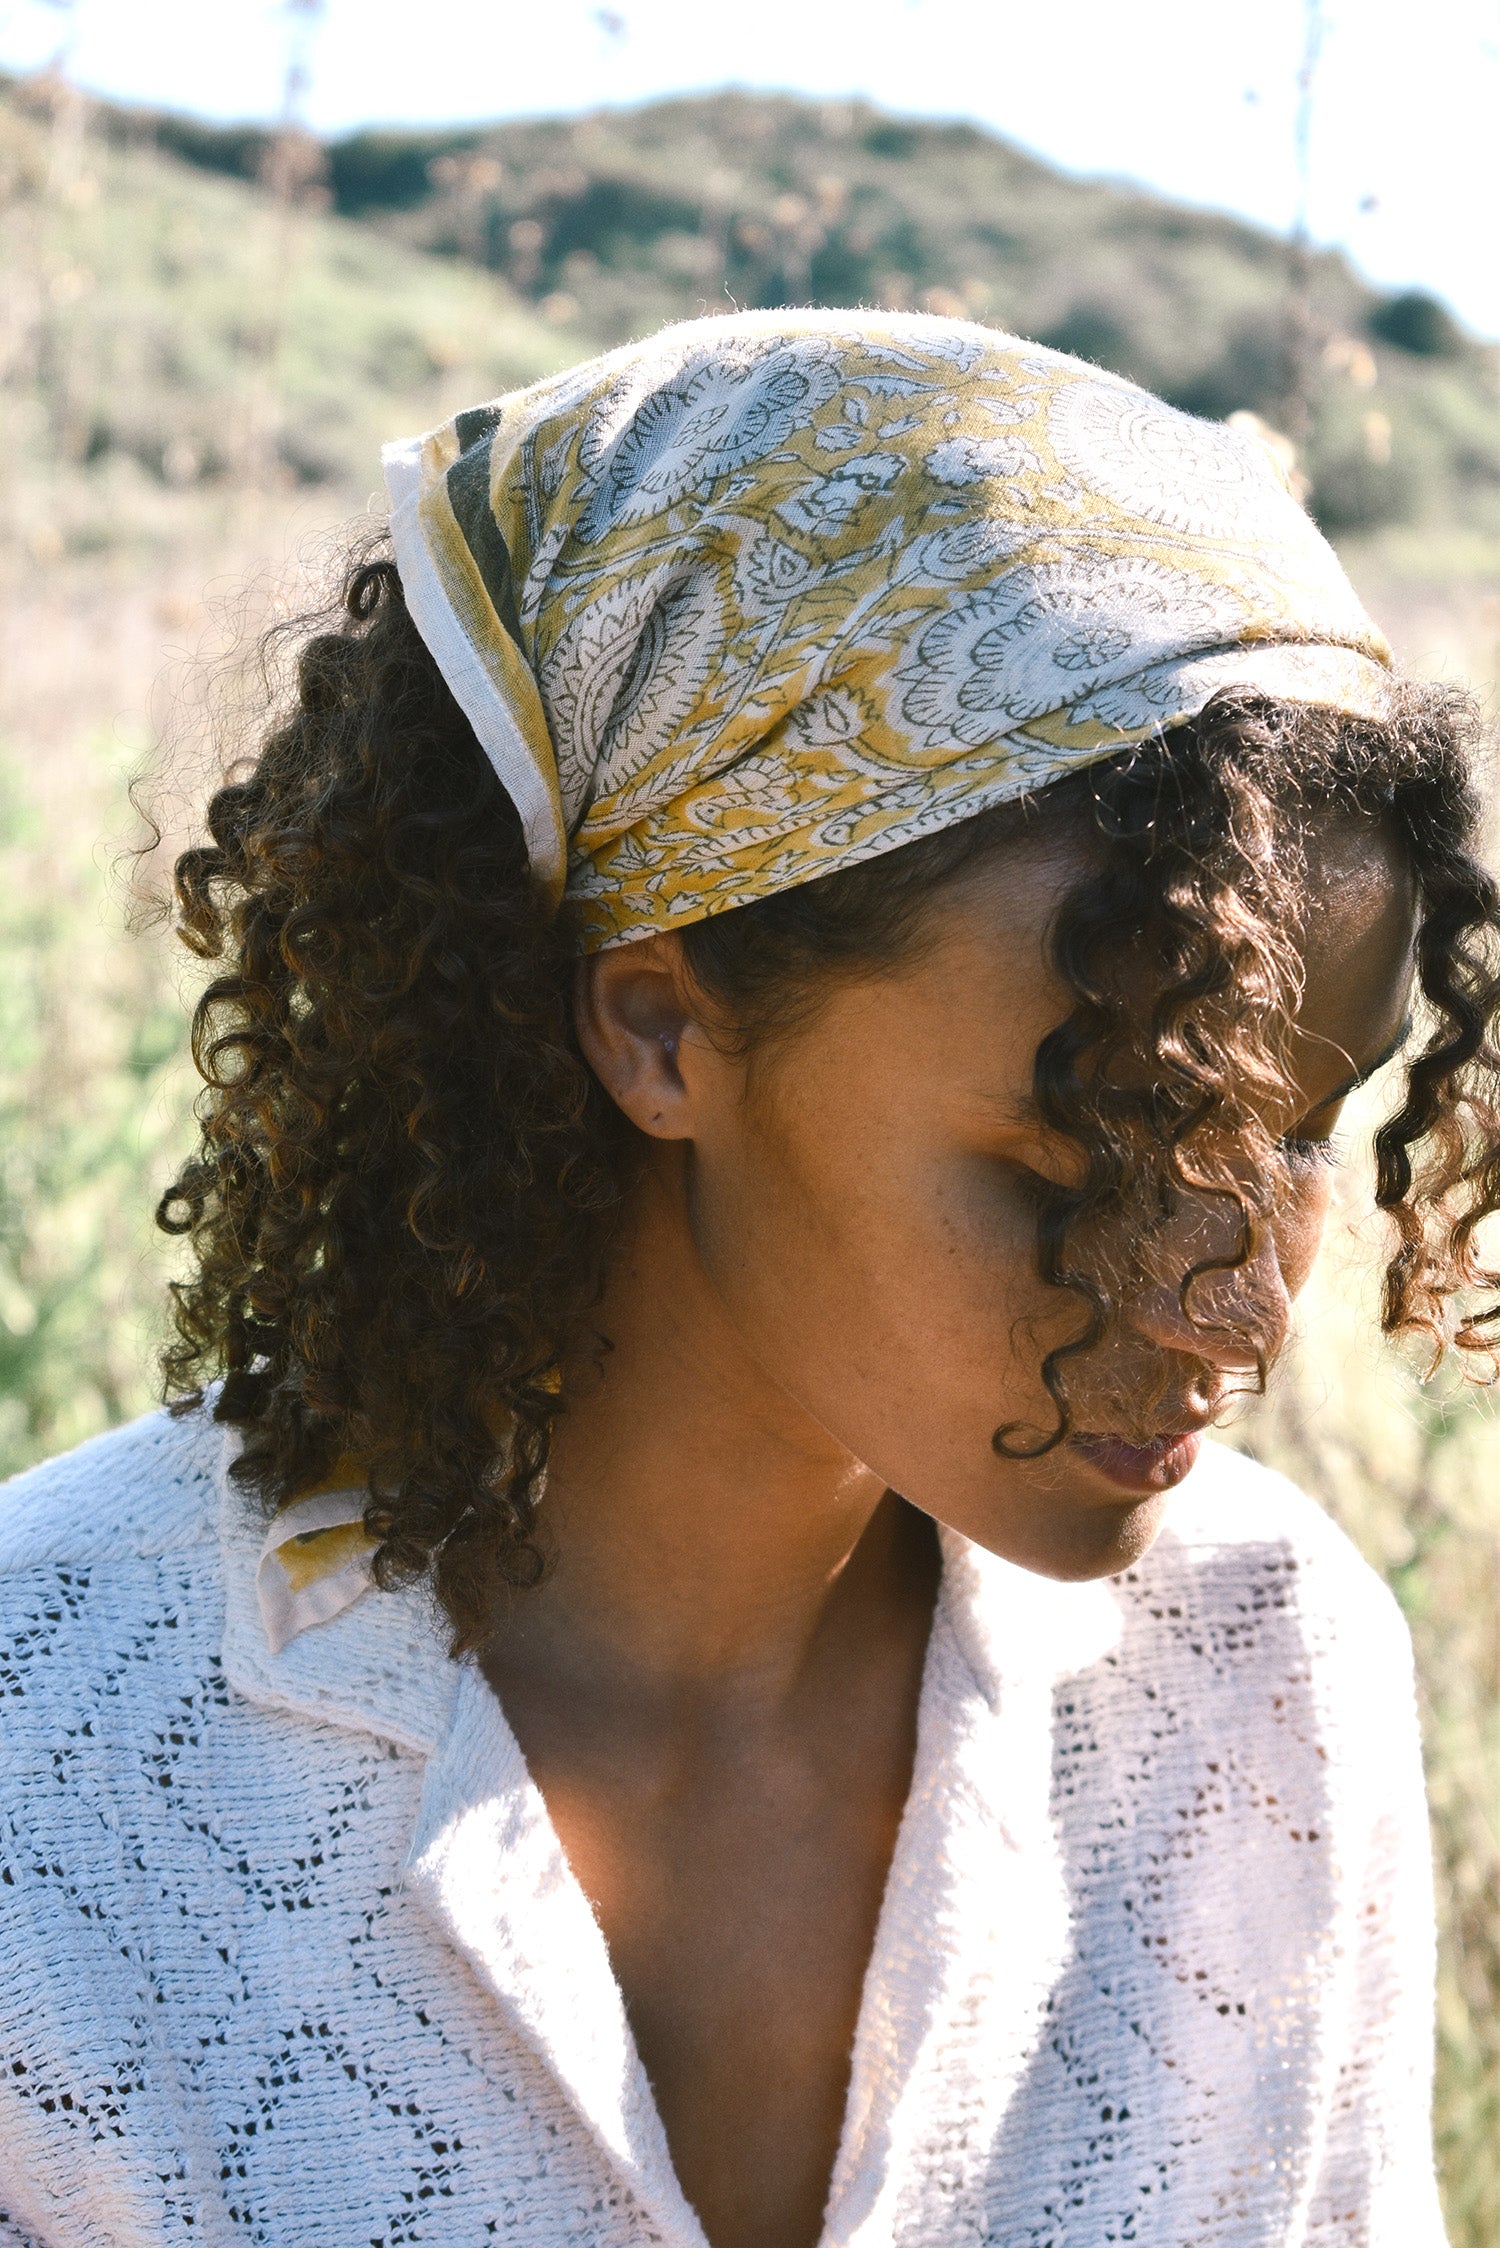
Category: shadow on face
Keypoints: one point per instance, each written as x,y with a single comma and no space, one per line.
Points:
857,1202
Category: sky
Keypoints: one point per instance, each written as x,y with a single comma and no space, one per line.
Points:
1195,98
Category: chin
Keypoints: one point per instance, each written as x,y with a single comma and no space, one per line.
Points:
1075,1543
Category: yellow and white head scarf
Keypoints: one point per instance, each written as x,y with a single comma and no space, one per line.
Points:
769,594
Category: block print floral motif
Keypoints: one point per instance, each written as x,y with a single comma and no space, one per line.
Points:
970,460
852,429
1028,644
756,797
703,423
1007,410
771,573
824,509
1168,468
965,552
624,677
836,719
681,646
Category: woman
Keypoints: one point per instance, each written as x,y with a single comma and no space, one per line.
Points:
782,993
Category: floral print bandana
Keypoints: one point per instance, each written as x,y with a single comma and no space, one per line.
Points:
317,1559
771,593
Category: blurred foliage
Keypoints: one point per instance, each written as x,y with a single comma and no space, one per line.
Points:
1416,322
93,1099
204,334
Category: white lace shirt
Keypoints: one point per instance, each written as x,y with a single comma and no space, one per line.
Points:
290,1953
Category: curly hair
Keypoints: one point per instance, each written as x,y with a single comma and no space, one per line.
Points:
408,1178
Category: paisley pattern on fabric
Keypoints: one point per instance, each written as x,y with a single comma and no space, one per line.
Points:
771,593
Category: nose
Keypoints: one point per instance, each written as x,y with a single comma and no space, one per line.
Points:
1235,1321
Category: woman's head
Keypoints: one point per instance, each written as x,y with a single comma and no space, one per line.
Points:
995,842
953,1128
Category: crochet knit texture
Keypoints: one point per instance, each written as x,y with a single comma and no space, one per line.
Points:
289,1952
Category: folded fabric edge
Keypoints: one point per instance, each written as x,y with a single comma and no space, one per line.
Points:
456,658
1322,674
288,1608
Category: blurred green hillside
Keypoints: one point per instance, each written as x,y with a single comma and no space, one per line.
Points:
610,224
169,333
205,334
606,225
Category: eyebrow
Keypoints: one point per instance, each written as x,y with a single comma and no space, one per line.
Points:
1362,1076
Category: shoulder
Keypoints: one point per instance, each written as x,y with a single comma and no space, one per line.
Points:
1252,1614
140,1492
1253,1536
111,1614
1254,1604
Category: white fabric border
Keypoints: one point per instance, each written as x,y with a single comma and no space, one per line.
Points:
454,654
1318,673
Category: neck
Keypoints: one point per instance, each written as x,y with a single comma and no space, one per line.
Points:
709,1540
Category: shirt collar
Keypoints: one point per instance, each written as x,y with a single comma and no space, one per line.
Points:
484,1860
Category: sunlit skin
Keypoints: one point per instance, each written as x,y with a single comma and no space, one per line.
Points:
826,1294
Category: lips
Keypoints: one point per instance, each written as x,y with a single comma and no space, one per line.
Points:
1143,1468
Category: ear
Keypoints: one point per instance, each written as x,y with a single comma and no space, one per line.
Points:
634,1010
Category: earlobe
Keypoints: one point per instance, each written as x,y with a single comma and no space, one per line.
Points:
630,1014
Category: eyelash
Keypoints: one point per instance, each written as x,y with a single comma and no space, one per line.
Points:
1304,1155
1310,1155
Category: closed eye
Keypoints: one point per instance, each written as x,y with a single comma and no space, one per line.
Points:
1309,1154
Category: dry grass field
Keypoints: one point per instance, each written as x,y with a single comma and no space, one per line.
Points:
194,374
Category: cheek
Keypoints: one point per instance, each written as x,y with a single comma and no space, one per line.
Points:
878,1284
1299,1231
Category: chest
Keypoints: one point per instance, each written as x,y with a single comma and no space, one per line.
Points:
739,1903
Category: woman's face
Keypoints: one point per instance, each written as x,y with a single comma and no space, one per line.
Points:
862,1197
